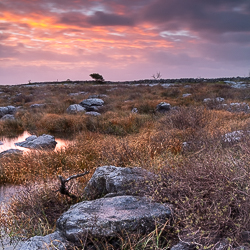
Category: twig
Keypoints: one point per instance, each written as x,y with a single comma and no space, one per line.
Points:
63,189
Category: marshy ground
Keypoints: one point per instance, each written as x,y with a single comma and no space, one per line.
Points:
206,178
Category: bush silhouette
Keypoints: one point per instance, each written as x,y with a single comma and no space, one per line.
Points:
97,77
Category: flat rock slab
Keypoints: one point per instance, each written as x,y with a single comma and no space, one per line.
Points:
42,142
92,102
111,216
112,179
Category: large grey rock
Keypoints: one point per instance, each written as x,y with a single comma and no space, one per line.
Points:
111,179
163,107
92,102
52,241
112,216
75,108
42,142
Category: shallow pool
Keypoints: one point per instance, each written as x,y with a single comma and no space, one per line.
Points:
8,143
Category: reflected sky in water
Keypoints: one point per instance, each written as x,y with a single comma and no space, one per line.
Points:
9,143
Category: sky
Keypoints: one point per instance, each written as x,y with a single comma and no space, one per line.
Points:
123,40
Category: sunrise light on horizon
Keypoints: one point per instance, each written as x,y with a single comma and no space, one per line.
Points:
53,40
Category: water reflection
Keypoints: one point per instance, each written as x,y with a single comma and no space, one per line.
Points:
9,143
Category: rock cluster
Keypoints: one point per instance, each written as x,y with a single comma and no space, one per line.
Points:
91,105
8,110
217,103
111,216
107,216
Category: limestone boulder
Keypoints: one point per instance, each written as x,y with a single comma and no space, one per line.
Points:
42,142
75,108
112,179
92,104
112,216
163,107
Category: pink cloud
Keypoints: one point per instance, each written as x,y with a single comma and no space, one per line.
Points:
123,40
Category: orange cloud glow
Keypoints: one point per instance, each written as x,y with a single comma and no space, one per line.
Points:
133,36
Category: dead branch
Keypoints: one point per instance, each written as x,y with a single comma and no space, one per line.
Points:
63,189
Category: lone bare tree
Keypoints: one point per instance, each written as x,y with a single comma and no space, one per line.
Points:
157,75
63,189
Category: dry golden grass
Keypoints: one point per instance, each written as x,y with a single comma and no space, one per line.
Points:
208,181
